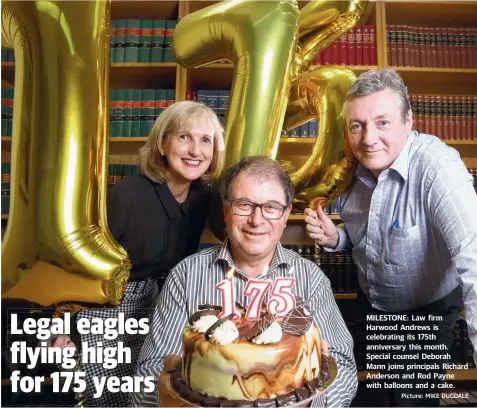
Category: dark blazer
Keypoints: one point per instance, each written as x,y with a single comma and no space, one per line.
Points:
155,230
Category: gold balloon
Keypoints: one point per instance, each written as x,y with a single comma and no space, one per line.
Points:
319,93
321,23
259,37
57,245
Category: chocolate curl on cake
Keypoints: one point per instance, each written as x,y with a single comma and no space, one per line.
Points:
298,320
240,309
324,369
258,328
205,312
211,329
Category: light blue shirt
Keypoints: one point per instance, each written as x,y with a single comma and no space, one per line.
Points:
414,230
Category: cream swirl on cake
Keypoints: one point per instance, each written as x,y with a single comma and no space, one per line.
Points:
272,334
252,360
226,333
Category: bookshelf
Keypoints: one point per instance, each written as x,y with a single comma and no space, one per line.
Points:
420,80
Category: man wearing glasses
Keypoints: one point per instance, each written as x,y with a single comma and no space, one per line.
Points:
257,195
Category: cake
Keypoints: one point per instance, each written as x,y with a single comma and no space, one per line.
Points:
237,362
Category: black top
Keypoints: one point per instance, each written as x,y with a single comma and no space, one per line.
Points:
153,227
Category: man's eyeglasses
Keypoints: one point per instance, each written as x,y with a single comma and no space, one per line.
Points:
270,211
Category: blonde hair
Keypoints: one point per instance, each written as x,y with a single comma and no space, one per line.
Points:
154,165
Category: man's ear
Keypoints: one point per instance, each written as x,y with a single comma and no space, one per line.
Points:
287,212
409,120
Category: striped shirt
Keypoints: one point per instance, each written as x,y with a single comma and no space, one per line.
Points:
414,230
192,283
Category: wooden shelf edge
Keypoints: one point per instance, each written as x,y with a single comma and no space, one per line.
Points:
4,216
434,70
460,142
297,140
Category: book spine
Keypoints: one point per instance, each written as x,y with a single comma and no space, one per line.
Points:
406,45
136,114
170,27
133,29
223,105
120,40
313,128
351,46
305,130
439,120
112,41
147,111
451,109
145,41
127,112
115,116
372,45
440,47
359,45
160,103
171,96
446,118
343,49
5,203
157,40
366,45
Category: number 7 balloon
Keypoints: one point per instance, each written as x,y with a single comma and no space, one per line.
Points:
57,246
319,93
259,37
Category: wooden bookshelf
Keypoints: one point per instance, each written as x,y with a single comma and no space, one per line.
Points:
436,81
150,75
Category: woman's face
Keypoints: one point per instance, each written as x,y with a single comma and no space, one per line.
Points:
189,151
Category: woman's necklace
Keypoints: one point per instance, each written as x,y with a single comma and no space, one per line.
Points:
183,196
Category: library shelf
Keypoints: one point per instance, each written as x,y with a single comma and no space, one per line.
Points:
8,73
4,216
147,75
145,9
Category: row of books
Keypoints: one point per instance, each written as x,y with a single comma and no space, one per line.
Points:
8,55
134,40
133,111
339,267
461,350
308,129
218,101
439,47
448,117
355,47
119,171
7,111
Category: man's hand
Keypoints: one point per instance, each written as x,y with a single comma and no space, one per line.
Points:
320,228
167,395
61,341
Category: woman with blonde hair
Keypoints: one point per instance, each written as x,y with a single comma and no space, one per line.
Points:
158,218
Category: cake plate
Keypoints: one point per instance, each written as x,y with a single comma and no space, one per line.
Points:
297,398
